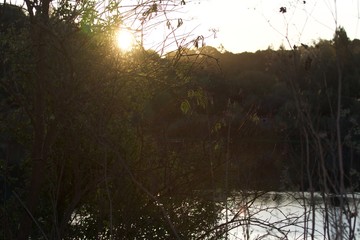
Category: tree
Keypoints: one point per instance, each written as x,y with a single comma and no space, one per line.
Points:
80,103
322,112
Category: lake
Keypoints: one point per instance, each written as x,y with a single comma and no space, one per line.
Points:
291,215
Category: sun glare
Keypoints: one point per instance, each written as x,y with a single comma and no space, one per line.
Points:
125,40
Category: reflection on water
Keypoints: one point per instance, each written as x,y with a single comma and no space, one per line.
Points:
291,215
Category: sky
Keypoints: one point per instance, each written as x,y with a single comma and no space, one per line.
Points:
251,25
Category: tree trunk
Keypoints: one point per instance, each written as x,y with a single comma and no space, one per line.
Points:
40,132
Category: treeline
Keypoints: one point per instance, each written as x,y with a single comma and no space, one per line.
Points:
95,142
271,118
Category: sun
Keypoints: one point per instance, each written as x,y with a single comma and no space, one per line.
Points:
125,40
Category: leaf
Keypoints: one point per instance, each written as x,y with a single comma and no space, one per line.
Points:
185,106
218,126
198,40
283,10
180,22
191,93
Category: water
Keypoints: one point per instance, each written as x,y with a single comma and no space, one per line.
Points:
280,215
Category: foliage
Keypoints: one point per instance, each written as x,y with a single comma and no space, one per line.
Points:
96,143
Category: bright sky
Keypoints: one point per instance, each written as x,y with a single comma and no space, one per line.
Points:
251,25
